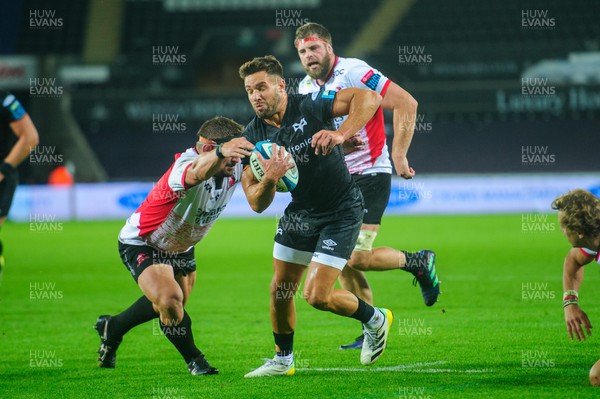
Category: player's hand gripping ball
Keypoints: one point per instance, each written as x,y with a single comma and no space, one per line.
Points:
289,181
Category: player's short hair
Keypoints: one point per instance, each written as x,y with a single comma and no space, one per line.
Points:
267,63
220,127
580,212
313,29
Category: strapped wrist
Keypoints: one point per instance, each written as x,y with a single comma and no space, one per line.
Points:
570,297
218,152
570,302
569,294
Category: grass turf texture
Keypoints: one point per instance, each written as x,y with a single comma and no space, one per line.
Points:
490,341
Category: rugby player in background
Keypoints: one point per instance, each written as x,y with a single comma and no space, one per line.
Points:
579,219
369,164
18,137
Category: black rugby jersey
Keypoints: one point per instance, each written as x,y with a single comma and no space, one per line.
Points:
11,110
324,181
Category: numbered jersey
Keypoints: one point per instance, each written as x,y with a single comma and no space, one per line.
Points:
355,73
174,218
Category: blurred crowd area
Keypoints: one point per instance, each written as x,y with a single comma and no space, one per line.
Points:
116,87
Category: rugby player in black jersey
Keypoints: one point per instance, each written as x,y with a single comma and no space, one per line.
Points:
18,137
320,226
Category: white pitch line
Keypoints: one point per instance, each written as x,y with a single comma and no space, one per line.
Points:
411,368
449,371
389,368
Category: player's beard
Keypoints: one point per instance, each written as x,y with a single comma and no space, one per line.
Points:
270,107
322,70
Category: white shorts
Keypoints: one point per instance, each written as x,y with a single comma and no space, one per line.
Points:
291,255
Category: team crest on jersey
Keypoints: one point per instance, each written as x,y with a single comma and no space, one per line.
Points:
141,258
371,79
300,125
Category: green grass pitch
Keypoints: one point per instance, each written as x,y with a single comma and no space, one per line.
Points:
497,331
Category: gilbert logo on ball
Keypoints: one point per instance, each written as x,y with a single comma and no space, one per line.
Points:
289,181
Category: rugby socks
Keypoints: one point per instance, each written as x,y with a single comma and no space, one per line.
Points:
182,338
284,344
140,312
364,313
377,320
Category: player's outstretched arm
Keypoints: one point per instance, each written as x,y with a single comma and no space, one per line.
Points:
207,164
404,107
360,106
260,194
575,318
28,138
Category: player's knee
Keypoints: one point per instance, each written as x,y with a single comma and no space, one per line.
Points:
360,260
316,299
171,308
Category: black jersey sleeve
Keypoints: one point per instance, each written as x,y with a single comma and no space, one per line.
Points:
11,109
319,104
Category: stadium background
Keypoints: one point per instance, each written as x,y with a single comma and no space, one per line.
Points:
106,59
508,92
115,86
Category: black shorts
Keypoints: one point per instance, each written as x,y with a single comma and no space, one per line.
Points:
326,237
8,186
138,257
375,188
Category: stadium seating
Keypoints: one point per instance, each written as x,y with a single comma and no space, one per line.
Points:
478,49
42,40
464,31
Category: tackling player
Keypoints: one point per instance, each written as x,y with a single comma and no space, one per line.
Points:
18,137
321,224
370,165
157,242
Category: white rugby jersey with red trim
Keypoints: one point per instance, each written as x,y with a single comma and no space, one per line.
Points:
348,73
591,254
173,218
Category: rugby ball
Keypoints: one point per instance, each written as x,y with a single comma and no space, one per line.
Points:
289,181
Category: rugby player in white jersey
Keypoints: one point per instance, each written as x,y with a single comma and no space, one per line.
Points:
157,242
369,164
579,218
